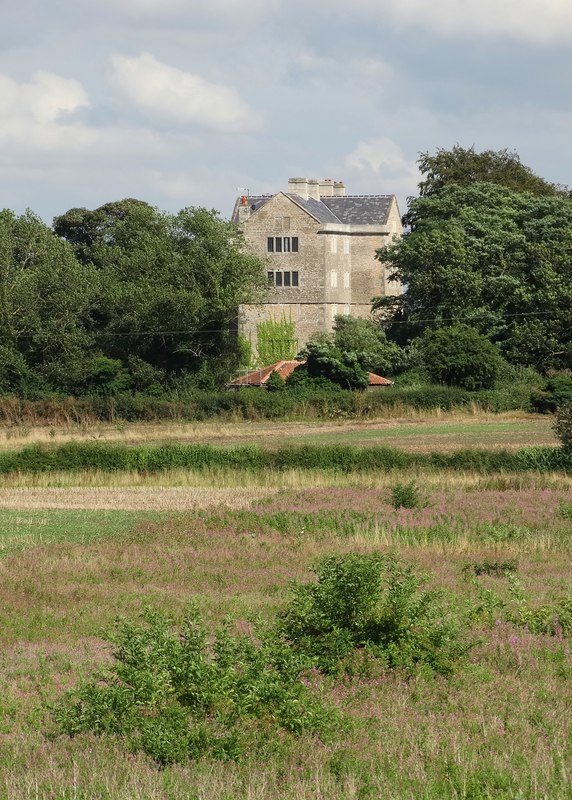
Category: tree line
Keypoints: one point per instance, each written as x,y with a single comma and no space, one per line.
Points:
124,297
486,262
127,298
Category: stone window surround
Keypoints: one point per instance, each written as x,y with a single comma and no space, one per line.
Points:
283,279
282,244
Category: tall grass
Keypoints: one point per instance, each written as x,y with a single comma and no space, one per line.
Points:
105,457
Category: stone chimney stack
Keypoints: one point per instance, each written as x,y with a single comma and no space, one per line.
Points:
243,208
327,188
298,186
315,189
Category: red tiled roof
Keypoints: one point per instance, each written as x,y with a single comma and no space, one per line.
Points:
259,377
377,380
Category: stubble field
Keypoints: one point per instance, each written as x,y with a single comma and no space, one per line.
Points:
79,550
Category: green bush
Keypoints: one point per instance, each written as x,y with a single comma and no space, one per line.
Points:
179,694
460,356
556,392
372,603
406,495
553,619
563,426
495,568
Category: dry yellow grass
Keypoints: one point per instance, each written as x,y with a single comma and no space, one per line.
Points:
181,490
528,429
129,498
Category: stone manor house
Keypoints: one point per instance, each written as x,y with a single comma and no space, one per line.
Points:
319,245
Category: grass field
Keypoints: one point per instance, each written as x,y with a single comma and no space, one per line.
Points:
79,550
417,431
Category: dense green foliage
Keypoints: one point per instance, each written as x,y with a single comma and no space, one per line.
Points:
556,391
460,356
104,457
327,401
366,338
464,166
371,603
488,245
326,363
46,305
122,298
177,695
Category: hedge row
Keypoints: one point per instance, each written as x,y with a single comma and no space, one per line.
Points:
255,404
340,458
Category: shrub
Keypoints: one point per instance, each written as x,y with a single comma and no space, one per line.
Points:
564,510
554,619
406,495
563,426
557,392
372,603
325,360
495,568
460,356
180,694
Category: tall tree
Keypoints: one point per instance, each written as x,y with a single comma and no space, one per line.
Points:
493,258
464,166
171,284
45,304
366,338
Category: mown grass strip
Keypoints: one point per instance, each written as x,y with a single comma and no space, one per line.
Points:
22,530
76,456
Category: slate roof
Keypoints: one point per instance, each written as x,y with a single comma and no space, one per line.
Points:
314,207
259,377
359,210
347,210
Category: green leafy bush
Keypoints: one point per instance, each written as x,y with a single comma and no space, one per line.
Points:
460,356
326,361
406,495
564,510
495,568
180,694
556,392
372,603
553,619
563,426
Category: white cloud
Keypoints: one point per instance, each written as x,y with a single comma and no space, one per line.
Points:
43,100
171,95
380,156
382,162
349,68
541,21
39,119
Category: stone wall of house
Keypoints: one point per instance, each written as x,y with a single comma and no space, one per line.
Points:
338,272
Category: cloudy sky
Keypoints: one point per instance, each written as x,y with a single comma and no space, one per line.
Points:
179,102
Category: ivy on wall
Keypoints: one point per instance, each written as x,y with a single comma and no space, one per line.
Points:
276,341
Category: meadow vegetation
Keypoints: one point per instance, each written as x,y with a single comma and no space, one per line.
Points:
323,634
